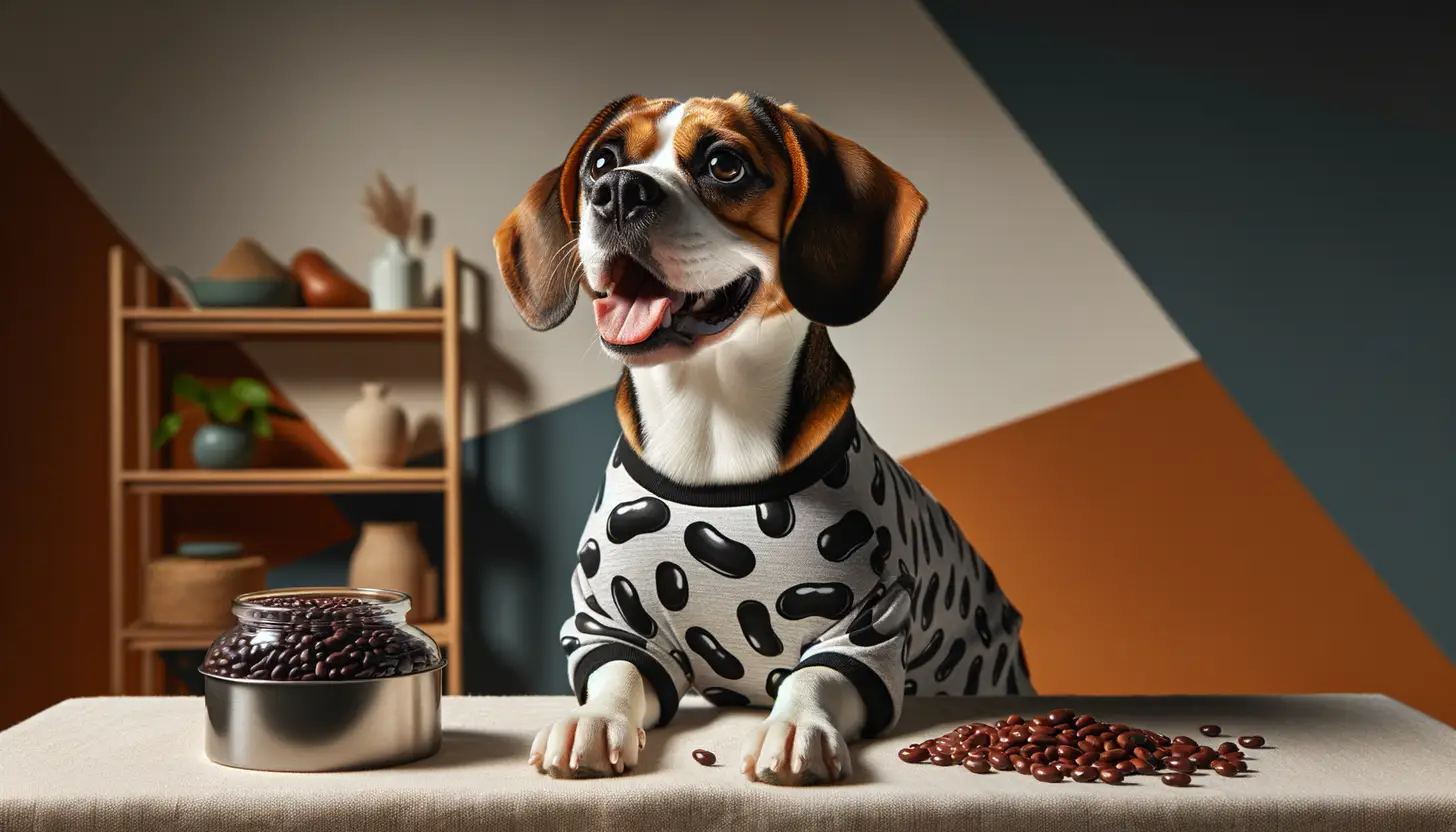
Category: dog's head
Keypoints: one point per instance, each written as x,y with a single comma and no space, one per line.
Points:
684,220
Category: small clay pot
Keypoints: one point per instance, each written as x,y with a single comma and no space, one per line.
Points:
376,430
324,285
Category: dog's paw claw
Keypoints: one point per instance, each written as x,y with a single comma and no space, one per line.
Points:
587,744
807,752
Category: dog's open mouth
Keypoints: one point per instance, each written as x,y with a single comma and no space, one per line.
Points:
640,313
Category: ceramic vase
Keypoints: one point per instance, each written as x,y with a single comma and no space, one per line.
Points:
390,278
223,447
376,430
390,556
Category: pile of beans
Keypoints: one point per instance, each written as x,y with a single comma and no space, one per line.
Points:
311,639
1063,744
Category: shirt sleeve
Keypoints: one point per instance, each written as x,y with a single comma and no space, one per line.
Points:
592,636
866,647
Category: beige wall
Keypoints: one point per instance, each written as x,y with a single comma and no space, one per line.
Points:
195,123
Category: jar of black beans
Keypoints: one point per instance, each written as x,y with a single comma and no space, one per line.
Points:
318,634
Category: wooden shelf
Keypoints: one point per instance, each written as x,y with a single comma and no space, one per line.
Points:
286,481
227,324
139,321
142,636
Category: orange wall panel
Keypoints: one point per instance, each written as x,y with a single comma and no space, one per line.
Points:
1156,544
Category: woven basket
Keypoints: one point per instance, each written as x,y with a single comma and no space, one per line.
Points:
199,592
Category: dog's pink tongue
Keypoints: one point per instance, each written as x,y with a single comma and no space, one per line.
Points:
625,319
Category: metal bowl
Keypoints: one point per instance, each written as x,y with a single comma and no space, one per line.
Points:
323,725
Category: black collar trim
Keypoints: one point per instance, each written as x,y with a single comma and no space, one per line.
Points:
777,487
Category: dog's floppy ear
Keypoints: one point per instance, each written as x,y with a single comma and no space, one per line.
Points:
850,222
536,246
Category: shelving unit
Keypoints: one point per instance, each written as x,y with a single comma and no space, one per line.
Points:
138,325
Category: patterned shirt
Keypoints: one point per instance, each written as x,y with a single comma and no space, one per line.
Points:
843,562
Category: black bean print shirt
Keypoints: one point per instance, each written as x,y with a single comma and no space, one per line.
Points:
843,562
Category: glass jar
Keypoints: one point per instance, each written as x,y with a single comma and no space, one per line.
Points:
321,634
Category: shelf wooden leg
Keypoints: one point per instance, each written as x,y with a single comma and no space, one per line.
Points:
450,376
150,668
148,507
117,413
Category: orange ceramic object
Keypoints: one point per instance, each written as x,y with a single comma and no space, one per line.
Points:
324,285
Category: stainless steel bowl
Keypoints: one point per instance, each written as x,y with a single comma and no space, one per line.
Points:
323,725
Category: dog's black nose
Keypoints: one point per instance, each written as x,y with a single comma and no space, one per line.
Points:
624,196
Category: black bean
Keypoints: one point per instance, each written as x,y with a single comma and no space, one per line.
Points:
935,535
625,596
899,508
999,666
841,540
953,657
973,677
927,610
672,586
824,600
881,554
718,552
928,651
983,627
758,630
722,662
776,519
639,517
590,555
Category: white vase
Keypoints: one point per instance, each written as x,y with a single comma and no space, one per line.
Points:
376,430
390,278
390,556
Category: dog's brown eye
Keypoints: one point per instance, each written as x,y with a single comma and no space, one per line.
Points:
602,160
726,167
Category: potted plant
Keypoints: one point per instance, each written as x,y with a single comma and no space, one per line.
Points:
238,413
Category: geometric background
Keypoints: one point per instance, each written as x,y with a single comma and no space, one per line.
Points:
1195,299
1304,247
1302,243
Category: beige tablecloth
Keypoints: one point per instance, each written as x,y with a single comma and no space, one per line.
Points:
1335,763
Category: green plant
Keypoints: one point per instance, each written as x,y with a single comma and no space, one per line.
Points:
244,400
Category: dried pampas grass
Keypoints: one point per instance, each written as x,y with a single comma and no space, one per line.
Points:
391,211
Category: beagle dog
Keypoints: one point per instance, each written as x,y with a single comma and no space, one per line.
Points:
750,540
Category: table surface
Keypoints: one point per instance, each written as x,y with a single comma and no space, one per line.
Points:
1334,762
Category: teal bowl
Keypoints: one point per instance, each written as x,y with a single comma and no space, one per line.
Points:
268,292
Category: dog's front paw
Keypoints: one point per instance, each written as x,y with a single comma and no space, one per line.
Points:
802,750
589,742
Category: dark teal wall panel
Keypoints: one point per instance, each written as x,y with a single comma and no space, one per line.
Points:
1307,250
